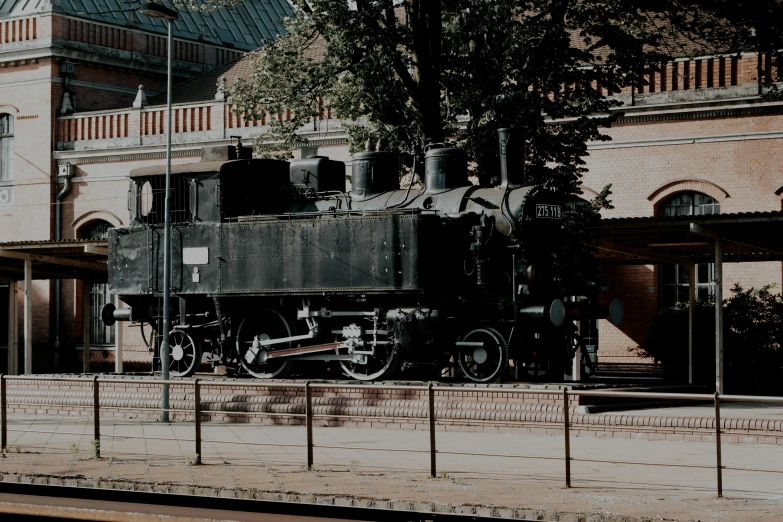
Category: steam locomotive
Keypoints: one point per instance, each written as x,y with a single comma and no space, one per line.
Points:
274,263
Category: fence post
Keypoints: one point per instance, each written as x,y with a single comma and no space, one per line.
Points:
96,417
717,444
433,449
197,417
309,423
4,413
567,437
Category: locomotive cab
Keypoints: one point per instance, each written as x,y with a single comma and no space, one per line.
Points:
220,187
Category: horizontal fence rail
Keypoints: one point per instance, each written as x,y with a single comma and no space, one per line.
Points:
309,415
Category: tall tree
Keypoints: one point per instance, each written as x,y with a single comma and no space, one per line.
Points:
455,71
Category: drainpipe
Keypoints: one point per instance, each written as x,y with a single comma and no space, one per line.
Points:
65,175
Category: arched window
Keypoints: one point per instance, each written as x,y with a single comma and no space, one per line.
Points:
6,146
99,293
689,204
674,278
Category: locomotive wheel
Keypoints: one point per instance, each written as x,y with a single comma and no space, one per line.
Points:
261,325
184,354
483,363
383,363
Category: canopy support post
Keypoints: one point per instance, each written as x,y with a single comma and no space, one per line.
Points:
86,320
719,315
119,327
13,330
691,316
28,316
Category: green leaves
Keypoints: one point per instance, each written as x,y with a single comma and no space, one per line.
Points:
455,71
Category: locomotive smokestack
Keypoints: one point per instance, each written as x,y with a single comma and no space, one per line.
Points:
511,158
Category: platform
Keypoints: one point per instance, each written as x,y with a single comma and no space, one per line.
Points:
502,487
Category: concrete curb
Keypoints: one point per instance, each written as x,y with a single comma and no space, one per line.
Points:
499,512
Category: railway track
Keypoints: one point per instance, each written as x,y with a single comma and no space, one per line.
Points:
44,502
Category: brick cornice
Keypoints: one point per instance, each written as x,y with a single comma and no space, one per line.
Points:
676,114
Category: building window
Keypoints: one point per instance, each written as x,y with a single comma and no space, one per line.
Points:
674,278
99,293
689,204
6,146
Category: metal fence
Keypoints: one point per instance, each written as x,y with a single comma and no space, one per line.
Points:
430,388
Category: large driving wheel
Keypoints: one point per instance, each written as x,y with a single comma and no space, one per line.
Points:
483,362
261,325
377,366
184,354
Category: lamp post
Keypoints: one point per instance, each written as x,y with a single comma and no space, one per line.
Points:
169,15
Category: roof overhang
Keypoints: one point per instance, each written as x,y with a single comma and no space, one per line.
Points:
685,240
74,259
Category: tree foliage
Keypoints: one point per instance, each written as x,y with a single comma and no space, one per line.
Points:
455,71
753,341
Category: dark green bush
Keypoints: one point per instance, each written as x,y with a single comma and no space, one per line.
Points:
753,330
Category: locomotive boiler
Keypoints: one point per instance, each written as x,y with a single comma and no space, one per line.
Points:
275,263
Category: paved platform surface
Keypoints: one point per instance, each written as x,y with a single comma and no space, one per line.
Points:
272,458
736,410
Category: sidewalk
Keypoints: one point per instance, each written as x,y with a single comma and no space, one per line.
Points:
630,490
734,410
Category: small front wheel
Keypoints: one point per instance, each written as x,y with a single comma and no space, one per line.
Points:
184,354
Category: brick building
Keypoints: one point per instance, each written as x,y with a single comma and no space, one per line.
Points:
71,107
697,139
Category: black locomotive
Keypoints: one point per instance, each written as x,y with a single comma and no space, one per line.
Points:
274,262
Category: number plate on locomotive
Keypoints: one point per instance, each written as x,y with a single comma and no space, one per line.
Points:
548,211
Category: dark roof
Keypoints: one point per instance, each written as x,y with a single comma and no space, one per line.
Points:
245,27
67,259
204,87
208,166
187,168
747,236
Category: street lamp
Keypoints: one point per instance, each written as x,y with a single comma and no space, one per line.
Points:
164,13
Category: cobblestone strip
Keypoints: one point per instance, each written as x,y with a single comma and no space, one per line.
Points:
350,411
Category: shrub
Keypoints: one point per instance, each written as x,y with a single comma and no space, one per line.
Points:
752,334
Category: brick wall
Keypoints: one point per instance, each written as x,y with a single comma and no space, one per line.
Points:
728,158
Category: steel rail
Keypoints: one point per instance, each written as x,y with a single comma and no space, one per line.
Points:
251,506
